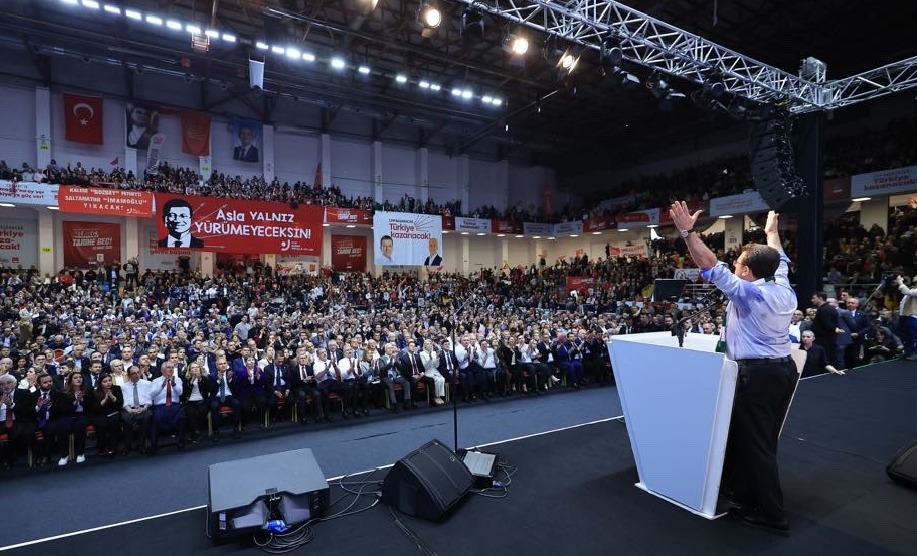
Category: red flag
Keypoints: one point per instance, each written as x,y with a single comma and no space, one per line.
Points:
195,133
114,161
317,182
83,119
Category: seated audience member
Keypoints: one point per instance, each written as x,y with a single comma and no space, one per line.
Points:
16,419
429,358
197,388
109,400
168,414
137,412
816,358
251,391
279,384
388,371
224,384
71,410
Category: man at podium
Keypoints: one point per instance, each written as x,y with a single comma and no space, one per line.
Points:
756,336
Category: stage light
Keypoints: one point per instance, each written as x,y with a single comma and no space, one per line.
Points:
363,70
497,101
338,63
519,45
435,87
487,99
456,92
401,78
424,84
467,94
430,16
567,62
661,90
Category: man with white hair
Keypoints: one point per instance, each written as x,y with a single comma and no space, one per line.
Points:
14,408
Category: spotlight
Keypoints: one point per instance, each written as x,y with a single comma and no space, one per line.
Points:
611,56
428,19
472,28
519,45
567,62
661,90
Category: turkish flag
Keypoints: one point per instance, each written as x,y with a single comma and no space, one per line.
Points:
195,133
83,119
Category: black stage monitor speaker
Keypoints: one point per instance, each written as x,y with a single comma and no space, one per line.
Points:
903,467
246,494
427,482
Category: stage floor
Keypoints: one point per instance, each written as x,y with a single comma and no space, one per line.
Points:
574,493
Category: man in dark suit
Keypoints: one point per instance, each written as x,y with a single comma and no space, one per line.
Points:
177,215
304,387
825,325
857,331
17,418
246,151
279,384
434,258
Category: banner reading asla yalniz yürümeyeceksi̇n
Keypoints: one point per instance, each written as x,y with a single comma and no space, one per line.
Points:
238,226
403,238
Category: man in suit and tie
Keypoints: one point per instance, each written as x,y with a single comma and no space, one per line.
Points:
177,215
434,258
223,395
246,151
277,377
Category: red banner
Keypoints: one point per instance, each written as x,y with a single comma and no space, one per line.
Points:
448,222
91,243
238,226
837,189
91,200
336,215
505,227
83,119
579,283
195,133
348,253
599,223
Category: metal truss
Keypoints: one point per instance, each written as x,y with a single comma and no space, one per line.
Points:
657,45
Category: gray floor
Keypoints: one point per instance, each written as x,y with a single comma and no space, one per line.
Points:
101,493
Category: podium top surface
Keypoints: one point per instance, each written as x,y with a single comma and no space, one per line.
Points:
693,340
240,482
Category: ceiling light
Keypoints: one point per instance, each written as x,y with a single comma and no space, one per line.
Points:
430,16
517,45
464,233
861,199
456,92
401,78
112,9
212,33
567,61
424,84
520,236
501,235
596,233
91,4
497,101
53,208
338,63
229,38
350,226
294,53
480,233
193,29
153,20
536,237
551,237
651,226
71,2
487,99
364,70
278,49
467,94
261,45
435,87
7,205
725,216
308,56
174,25
622,229
133,14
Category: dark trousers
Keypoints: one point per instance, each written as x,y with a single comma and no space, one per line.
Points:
763,393
476,378
17,437
232,403
196,413
302,393
167,418
574,371
108,432
71,424
253,402
142,423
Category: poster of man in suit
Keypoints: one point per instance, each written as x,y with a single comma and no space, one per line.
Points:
246,136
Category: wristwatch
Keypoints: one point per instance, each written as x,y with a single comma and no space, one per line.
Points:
686,233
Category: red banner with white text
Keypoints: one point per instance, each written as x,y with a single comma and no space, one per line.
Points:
337,215
91,244
92,200
348,253
505,227
238,226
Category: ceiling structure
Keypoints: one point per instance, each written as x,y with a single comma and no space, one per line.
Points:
576,122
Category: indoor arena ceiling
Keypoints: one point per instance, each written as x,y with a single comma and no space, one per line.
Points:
584,122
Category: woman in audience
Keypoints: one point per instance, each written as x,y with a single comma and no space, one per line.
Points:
106,417
196,392
71,409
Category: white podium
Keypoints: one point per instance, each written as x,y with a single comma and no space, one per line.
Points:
677,405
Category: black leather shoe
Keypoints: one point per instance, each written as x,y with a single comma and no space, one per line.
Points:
734,503
758,520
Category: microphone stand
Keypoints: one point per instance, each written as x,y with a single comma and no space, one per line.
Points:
679,328
455,373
